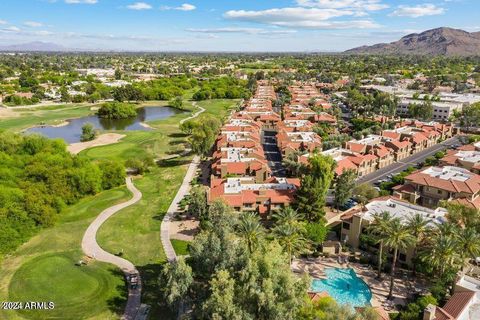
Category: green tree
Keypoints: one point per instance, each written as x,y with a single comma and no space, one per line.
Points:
288,216
364,192
398,237
316,232
250,230
290,239
418,225
380,228
88,132
344,187
423,111
222,302
197,203
175,281
177,103
314,185
468,242
117,110
113,174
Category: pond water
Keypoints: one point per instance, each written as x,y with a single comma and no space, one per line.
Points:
71,133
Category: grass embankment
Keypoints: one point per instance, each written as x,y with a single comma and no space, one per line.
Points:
44,269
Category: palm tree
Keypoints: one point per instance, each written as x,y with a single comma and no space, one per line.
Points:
250,229
442,253
287,216
289,238
379,228
418,225
398,237
468,242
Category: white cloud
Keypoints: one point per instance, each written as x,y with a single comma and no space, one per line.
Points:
43,33
3,22
418,11
364,5
33,24
186,7
81,1
242,30
183,7
313,18
139,6
11,29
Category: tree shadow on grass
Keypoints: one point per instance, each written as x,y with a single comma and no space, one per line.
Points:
117,304
172,163
151,293
176,142
177,135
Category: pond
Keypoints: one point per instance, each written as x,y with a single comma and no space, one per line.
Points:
72,131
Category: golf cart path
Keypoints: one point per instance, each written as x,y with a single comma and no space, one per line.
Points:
181,193
196,114
91,248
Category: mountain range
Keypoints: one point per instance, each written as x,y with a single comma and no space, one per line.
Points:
34,46
440,41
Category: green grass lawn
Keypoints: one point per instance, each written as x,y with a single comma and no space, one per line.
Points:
44,269
180,246
45,115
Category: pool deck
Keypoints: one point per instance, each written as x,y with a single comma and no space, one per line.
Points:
403,285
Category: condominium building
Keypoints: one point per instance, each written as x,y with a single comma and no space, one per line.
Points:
429,186
245,194
355,221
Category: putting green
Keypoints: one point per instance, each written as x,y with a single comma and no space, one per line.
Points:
79,292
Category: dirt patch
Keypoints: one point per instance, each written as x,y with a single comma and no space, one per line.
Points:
7,113
101,140
184,229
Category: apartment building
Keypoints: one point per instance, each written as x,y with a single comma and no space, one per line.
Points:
467,159
343,158
241,162
289,142
295,125
245,194
356,221
429,186
373,145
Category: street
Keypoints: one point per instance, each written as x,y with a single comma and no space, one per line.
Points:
405,163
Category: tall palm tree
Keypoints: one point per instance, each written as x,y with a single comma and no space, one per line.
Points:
418,225
287,216
289,238
379,228
468,242
441,254
250,229
398,237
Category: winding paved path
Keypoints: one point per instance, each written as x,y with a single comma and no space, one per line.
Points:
196,114
184,189
92,249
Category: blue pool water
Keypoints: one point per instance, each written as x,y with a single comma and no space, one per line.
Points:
344,286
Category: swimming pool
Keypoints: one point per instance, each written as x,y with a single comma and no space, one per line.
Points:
344,286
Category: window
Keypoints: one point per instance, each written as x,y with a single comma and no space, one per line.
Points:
346,225
439,191
402,257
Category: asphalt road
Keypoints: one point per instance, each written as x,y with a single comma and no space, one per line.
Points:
273,154
413,160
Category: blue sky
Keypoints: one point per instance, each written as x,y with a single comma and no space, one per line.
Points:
228,25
